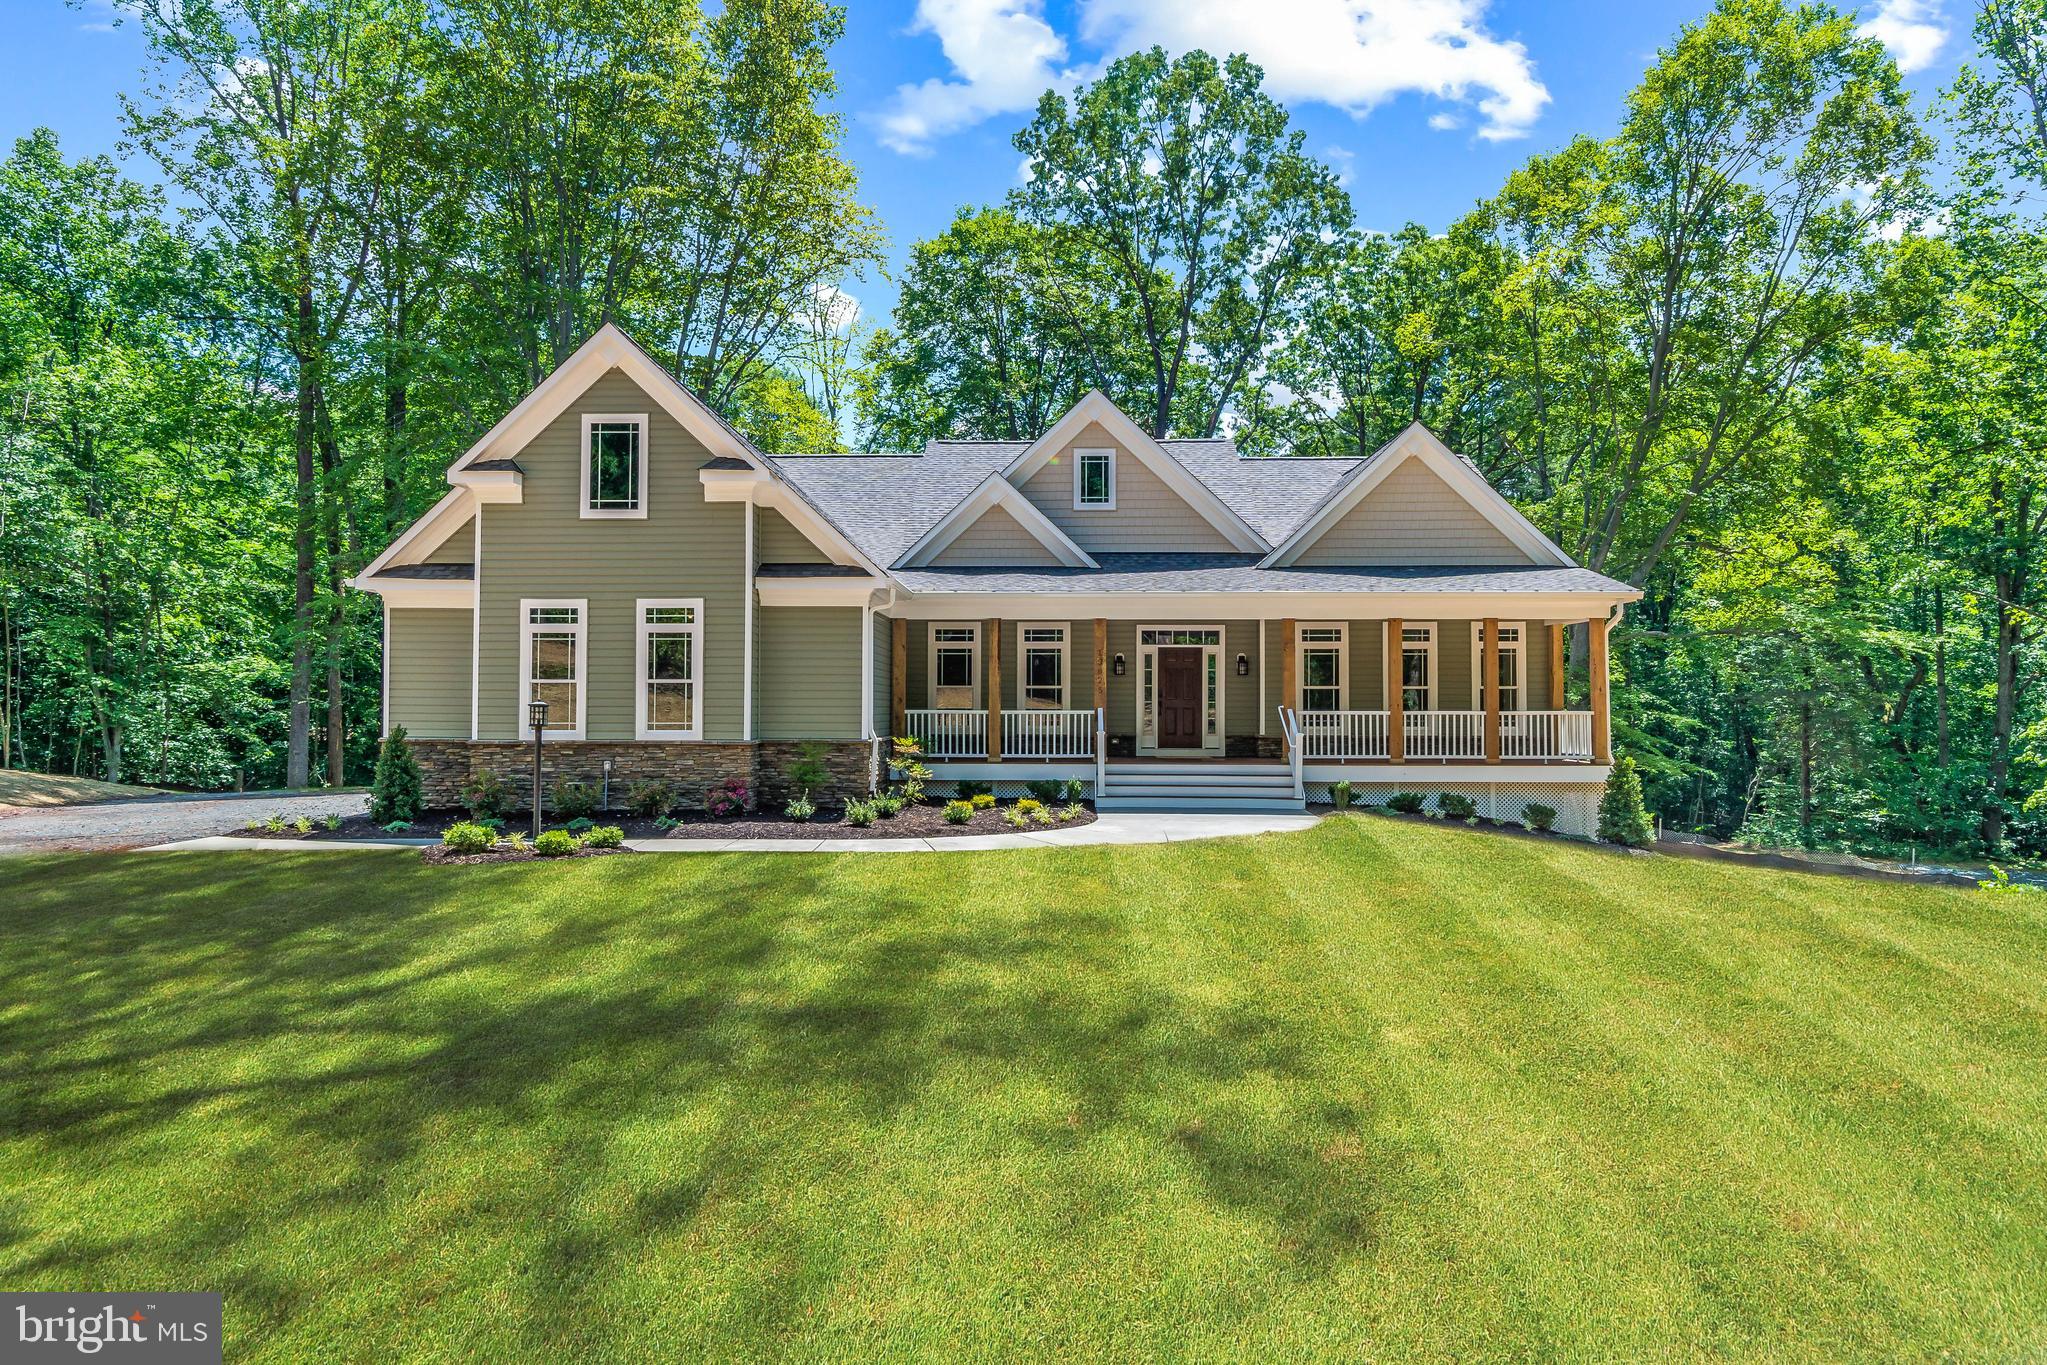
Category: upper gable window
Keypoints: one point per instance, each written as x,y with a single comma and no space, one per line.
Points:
615,465
1094,478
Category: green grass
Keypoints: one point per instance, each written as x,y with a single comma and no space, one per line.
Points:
1376,1090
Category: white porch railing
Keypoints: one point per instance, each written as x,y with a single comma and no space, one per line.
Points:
1047,734
1547,734
1443,734
1290,731
1343,734
949,734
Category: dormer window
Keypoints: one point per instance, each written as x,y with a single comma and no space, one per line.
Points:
1094,479
615,465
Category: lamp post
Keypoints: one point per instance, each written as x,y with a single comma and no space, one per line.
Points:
537,712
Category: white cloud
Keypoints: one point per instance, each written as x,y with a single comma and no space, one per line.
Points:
1343,161
1914,31
1352,54
1445,123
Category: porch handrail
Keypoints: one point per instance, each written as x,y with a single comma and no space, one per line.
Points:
1290,731
1047,734
1546,734
1444,735
945,733
1101,751
1344,734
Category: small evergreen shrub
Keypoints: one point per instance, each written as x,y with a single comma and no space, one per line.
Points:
1407,803
572,800
967,791
800,807
980,800
486,796
860,814
395,791
889,804
650,800
1535,815
395,826
493,824
664,823
958,812
1046,792
579,824
468,837
1340,795
604,836
906,765
728,799
1457,806
1072,789
1622,820
556,843
808,773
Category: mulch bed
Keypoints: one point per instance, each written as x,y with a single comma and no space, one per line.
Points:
506,855
915,822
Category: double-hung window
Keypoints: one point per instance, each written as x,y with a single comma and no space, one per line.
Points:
1417,666
553,663
668,664
1511,636
955,667
614,465
1044,667
1323,684
1094,479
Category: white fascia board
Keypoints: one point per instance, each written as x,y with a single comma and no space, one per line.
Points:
817,592
491,485
419,592
997,491
426,534
732,485
1214,606
1096,407
1418,442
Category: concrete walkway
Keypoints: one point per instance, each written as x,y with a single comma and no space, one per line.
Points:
1121,827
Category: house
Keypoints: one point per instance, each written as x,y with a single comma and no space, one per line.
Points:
1173,624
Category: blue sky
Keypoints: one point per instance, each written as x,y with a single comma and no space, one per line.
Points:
1423,105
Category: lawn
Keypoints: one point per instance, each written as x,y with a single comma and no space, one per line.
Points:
1376,1090
21,788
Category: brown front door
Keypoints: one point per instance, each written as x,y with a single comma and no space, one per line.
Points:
1180,698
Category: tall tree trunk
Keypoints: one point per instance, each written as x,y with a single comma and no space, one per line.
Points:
1940,722
298,755
337,606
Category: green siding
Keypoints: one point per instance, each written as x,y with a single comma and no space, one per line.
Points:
807,685
542,548
884,673
428,671
458,548
776,541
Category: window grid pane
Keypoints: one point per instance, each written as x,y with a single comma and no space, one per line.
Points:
614,466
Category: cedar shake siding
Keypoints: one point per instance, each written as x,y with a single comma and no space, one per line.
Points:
541,547
1147,515
428,671
996,539
1412,517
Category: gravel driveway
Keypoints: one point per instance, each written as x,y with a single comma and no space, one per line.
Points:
111,825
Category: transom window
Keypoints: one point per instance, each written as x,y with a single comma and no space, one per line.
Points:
1043,686
1511,640
1324,686
1094,478
667,660
1417,666
614,465
1180,637
955,667
553,660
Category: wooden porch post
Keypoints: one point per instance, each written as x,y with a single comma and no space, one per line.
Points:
1289,661
992,687
1489,682
1396,712
1556,666
1101,664
898,676
1595,660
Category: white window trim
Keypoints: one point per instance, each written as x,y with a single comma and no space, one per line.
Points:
1435,662
1078,454
1023,651
639,513
931,664
1301,647
1517,647
526,632
643,632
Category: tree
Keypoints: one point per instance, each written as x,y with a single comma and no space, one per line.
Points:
396,792
1622,820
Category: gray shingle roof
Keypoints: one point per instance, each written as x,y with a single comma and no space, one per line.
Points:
511,466
810,571
440,571
1177,573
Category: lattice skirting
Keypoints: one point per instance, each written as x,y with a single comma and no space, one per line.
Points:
1007,789
1576,803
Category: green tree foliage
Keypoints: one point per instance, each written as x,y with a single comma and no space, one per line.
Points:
396,792
1622,819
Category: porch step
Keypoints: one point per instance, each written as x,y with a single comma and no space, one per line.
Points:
1244,786
1203,802
1173,791
1201,769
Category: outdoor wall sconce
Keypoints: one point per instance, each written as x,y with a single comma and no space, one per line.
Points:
1117,667
1243,665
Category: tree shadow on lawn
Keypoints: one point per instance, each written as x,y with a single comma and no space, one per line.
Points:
770,1020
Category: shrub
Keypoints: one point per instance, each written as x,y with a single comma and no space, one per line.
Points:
729,798
302,825
1072,810
274,824
253,826
958,812
395,790
967,791
808,772
486,796
572,800
650,800
395,826
665,822
556,843
1456,805
1340,795
1535,815
1621,817
332,822
906,765
493,824
980,800
1999,883
1028,804
800,807
889,804
1043,815
579,824
468,837
1018,817
1407,803
515,842
604,836
860,814
1072,789
1046,792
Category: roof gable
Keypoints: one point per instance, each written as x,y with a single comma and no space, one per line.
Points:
996,492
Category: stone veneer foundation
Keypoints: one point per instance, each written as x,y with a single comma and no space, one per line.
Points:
692,768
